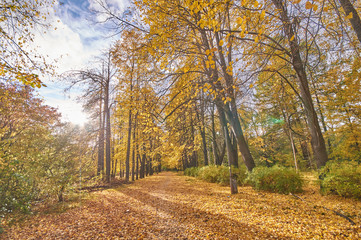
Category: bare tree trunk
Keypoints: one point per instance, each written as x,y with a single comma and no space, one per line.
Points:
107,132
355,19
317,140
289,133
202,129
215,149
133,152
115,168
231,108
204,142
127,167
137,167
232,181
324,126
100,168
232,152
147,167
142,167
194,161
151,170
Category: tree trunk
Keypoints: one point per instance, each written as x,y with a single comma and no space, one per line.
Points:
215,149
60,194
289,133
202,129
100,168
233,118
204,142
194,161
317,140
234,160
133,152
107,132
147,167
151,170
232,155
137,167
142,166
160,164
127,167
231,108
355,20
232,181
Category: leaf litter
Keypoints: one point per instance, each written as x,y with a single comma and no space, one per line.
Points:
171,206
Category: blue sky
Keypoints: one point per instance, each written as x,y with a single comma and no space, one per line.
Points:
73,40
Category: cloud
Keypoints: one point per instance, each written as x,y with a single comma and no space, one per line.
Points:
70,109
70,43
103,7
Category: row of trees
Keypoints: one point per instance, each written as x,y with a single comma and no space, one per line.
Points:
204,82
211,82
40,157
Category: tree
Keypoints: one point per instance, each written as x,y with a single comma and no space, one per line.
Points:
99,93
18,20
352,16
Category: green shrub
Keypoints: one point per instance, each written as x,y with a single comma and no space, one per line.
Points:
275,179
192,172
209,173
239,174
341,178
217,174
16,190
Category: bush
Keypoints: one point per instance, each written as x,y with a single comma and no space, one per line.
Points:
341,178
16,190
192,172
209,173
275,179
239,174
217,174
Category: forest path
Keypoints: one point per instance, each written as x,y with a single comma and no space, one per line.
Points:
170,206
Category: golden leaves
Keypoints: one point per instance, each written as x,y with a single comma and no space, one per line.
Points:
350,16
263,14
169,206
310,5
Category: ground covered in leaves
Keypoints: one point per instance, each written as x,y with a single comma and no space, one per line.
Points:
171,206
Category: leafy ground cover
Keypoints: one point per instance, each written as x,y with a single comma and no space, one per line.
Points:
171,206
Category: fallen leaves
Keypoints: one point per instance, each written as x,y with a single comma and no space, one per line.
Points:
169,206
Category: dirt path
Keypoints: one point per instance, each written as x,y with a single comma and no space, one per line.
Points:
168,206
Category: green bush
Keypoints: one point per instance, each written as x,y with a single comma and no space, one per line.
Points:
239,174
275,179
341,178
16,190
192,172
209,173
217,174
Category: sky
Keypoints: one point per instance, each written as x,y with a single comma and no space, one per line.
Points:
73,40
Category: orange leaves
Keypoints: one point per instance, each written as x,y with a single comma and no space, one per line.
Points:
350,16
310,5
170,206
18,18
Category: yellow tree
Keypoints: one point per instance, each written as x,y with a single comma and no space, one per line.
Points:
137,98
193,28
17,25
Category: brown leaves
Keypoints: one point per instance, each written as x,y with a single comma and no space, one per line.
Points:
168,206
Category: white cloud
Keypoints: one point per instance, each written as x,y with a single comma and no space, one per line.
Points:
103,6
71,110
74,43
